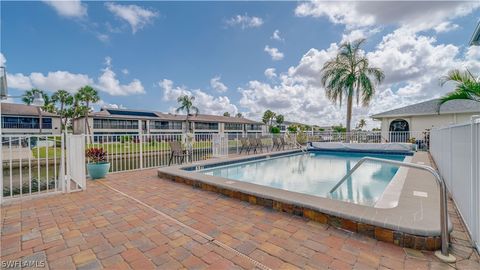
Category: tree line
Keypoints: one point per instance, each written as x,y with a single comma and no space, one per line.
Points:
67,105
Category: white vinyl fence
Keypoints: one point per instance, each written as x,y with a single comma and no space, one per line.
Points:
456,151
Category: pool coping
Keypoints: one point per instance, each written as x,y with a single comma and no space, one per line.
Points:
413,223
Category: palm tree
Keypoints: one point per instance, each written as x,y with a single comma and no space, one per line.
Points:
349,74
361,124
87,95
227,114
279,119
76,110
64,98
467,86
29,95
268,116
239,115
186,105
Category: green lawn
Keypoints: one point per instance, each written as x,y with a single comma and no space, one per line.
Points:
131,147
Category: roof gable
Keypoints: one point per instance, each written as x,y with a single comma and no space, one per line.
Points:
430,107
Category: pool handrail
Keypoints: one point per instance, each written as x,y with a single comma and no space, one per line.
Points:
444,256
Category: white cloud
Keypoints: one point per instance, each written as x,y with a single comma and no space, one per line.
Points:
59,80
413,64
109,83
361,33
71,82
208,104
445,27
3,60
270,73
274,53
70,9
245,21
276,35
125,71
104,104
19,81
216,84
134,15
417,16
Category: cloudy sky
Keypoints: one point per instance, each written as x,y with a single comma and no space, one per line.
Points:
234,56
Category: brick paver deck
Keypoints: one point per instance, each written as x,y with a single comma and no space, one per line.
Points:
103,228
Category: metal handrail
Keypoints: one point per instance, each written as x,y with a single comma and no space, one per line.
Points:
440,182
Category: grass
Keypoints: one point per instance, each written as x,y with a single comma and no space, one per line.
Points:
131,147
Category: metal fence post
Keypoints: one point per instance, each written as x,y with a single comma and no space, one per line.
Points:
140,140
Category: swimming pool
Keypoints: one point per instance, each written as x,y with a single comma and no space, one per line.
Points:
315,173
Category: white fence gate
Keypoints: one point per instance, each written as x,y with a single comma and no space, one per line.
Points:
456,151
75,179
38,165
219,145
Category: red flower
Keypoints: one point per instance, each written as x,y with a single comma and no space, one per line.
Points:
95,154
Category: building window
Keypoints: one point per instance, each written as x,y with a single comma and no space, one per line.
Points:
25,122
254,127
233,126
206,126
114,124
166,125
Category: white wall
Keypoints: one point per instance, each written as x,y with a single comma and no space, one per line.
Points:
423,122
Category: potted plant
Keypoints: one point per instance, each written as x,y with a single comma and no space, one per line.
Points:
97,166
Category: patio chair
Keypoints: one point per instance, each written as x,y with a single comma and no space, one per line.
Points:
276,142
245,145
259,144
282,143
176,151
253,145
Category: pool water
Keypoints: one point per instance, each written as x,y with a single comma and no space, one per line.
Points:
316,173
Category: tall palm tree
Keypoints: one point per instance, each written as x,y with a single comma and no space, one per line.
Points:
186,105
64,98
467,86
349,74
87,95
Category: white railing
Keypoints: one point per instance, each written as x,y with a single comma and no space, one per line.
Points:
420,138
31,165
456,151
133,152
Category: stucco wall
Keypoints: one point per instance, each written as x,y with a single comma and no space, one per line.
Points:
423,122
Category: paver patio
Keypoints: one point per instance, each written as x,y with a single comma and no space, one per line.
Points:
103,228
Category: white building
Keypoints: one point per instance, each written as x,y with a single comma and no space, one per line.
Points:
121,121
426,115
25,119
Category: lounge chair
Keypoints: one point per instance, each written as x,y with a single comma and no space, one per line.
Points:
282,143
259,144
253,144
245,145
276,142
176,150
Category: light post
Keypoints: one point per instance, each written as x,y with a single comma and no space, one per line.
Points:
39,102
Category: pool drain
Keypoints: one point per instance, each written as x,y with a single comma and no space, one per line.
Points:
204,235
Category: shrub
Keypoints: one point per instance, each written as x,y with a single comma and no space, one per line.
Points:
302,138
96,155
275,130
34,187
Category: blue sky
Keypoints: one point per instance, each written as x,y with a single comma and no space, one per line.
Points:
145,54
